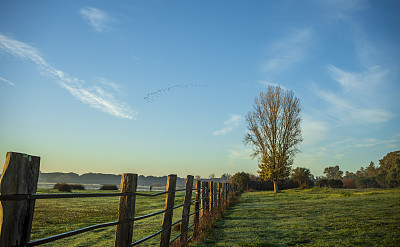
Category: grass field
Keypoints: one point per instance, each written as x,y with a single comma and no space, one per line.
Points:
312,217
60,215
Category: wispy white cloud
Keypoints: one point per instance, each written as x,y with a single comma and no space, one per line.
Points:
96,18
271,83
350,142
353,103
349,111
95,96
341,9
238,155
21,50
371,142
230,124
358,81
7,81
113,85
288,51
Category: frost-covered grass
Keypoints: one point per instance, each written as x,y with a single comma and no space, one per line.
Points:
312,217
54,216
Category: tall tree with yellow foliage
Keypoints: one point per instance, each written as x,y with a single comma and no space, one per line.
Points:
274,131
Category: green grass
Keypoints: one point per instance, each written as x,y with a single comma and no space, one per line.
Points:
54,216
312,217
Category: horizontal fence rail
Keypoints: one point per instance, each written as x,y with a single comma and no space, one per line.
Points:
18,186
17,197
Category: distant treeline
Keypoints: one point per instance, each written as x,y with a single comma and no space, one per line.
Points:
100,178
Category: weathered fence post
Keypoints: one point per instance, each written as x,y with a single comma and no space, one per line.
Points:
223,192
211,195
226,191
126,210
196,216
186,210
203,198
219,193
20,176
167,217
207,197
215,195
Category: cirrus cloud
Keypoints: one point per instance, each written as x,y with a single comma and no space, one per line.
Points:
96,18
94,96
230,124
288,51
7,81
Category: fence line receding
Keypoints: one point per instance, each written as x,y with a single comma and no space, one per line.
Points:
18,185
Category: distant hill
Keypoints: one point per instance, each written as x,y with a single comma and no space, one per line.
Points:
100,178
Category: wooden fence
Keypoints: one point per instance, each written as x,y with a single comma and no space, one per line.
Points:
18,185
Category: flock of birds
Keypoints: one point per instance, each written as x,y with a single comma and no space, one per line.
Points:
153,95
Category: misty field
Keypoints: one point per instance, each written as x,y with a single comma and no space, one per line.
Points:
54,216
312,217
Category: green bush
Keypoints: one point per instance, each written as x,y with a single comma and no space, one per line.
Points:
108,187
256,183
303,177
323,182
77,186
335,183
366,183
331,183
242,179
63,187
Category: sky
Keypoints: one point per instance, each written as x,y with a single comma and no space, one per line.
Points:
163,87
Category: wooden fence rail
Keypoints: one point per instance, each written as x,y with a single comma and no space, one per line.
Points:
18,185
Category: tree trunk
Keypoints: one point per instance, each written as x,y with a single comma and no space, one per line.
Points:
275,186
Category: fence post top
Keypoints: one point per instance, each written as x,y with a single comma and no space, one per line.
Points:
172,176
23,154
129,174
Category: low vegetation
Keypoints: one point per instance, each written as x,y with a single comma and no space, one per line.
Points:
242,179
331,183
108,187
311,217
64,187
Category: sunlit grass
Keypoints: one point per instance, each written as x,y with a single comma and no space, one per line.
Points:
54,216
312,217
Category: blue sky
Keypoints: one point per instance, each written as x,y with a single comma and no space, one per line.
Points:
161,87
